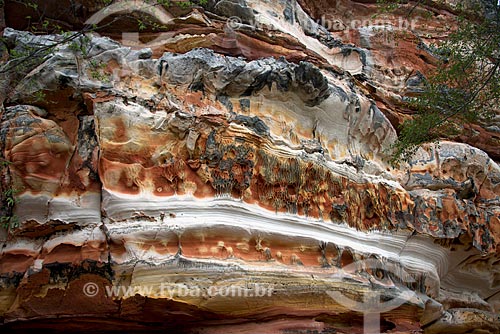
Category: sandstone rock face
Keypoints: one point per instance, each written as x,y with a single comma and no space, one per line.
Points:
234,179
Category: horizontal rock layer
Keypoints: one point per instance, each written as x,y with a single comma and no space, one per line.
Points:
201,192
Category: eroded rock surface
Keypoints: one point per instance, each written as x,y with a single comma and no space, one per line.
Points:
231,182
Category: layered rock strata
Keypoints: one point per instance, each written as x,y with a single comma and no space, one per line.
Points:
201,192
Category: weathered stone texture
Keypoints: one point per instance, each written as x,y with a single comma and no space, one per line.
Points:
250,156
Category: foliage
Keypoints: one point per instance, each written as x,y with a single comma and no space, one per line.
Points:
8,201
464,88
97,71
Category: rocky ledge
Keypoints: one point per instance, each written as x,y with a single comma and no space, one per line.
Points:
234,179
